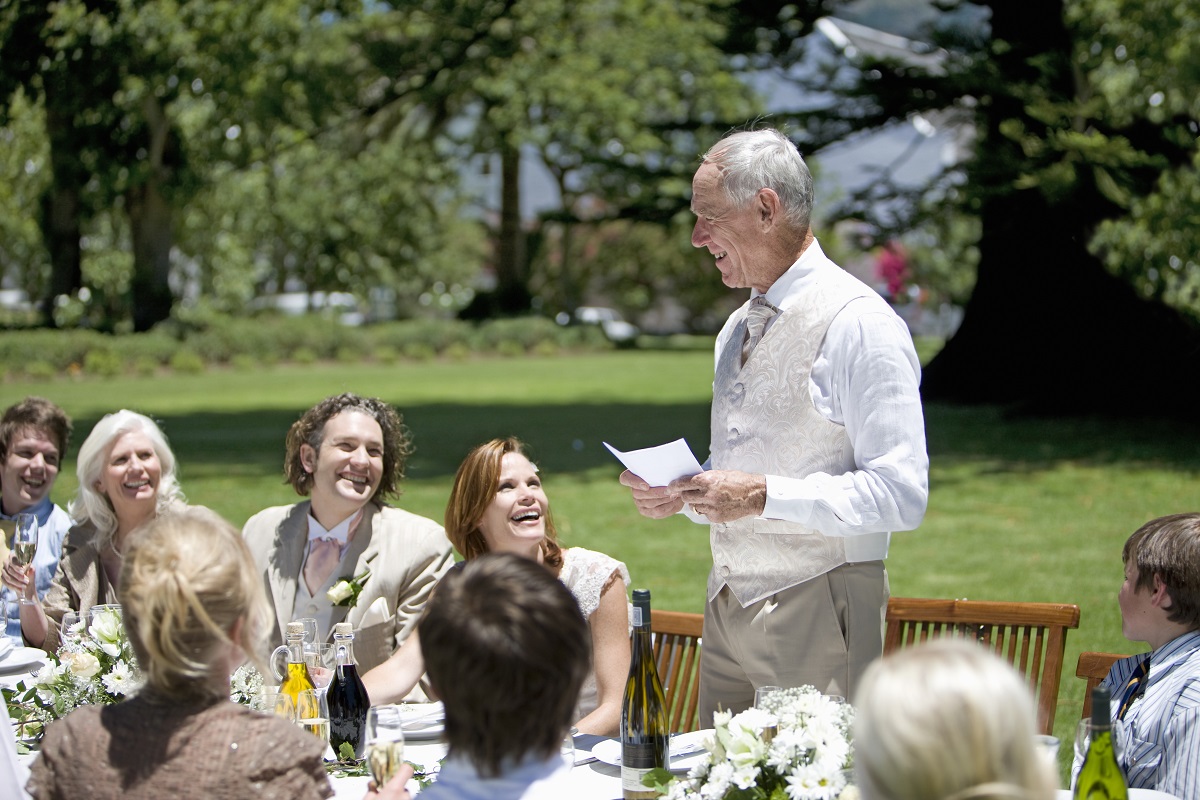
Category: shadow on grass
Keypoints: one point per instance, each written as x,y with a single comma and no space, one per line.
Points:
567,438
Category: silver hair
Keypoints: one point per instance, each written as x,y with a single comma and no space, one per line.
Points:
765,159
89,504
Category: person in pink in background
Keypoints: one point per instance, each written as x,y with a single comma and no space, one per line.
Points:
891,268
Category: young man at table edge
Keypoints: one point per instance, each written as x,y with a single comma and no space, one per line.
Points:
1156,695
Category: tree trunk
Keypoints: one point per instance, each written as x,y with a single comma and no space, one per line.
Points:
150,225
1048,329
62,209
512,291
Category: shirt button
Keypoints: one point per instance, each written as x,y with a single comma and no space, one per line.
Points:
725,570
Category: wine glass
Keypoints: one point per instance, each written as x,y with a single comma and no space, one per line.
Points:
272,700
70,629
321,661
1083,737
24,546
385,742
311,714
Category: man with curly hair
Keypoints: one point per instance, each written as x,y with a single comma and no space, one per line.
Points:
346,454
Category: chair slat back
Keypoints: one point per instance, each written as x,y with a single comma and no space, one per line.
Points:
1093,667
1030,636
677,658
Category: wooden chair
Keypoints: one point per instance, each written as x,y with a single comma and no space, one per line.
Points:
1030,636
1094,668
677,658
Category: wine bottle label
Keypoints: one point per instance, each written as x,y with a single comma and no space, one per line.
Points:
631,779
636,618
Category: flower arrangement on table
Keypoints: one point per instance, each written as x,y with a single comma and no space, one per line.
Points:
95,666
795,747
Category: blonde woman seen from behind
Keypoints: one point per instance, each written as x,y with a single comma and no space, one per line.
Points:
193,609
948,720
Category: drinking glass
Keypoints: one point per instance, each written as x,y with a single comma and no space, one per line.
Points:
310,631
567,750
385,742
24,546
1047,747
763,692
321,661
311,714
70,629
273,701
1083,737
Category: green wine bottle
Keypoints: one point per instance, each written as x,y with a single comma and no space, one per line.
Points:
1100,777
644,734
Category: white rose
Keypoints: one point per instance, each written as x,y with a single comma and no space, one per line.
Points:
82,665
106,627
340,592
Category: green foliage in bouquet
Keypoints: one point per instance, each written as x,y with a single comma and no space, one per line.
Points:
94,666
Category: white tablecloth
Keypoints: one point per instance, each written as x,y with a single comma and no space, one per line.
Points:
592,781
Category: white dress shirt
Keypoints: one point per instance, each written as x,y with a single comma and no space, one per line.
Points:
867,378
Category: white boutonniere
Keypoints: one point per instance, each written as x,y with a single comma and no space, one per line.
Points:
346,591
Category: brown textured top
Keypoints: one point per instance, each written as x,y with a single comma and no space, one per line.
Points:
146,748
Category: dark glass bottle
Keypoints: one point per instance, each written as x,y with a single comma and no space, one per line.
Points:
347,697
644,734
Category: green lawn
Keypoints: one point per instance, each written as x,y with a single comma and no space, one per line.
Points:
1020,509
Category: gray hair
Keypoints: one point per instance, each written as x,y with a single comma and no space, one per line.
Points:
765,159
92,506
947,719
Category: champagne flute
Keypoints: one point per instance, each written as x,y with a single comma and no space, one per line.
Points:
321,661
385,742
24,547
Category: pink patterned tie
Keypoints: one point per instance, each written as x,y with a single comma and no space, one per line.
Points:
323,558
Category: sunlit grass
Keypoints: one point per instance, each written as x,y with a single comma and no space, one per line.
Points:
1020,509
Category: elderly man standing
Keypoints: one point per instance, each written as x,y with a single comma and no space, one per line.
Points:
347,453
818,440
34,434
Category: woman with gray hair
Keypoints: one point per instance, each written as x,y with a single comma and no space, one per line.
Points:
126,474
948,720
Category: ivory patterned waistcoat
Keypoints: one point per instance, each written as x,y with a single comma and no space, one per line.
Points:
764,421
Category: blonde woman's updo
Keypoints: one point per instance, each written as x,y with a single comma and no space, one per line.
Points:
947,720
187,581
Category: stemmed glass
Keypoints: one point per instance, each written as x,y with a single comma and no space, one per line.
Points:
273,701
311,714
24,547
385,742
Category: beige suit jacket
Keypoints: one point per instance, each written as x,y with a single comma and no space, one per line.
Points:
406,554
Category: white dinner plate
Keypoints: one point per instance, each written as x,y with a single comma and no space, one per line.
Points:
687,750
422,720
20,659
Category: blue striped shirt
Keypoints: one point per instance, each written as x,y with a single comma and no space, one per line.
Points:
1159,738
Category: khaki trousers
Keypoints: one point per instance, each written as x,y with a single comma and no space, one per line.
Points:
823,632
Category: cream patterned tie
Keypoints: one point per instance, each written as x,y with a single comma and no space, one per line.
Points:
756,323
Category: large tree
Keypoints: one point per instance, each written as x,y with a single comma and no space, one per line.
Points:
123,83
1085,153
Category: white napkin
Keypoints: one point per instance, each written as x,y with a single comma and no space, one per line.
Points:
6,646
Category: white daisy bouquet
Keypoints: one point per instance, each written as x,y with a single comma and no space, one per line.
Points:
95,666
795,747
